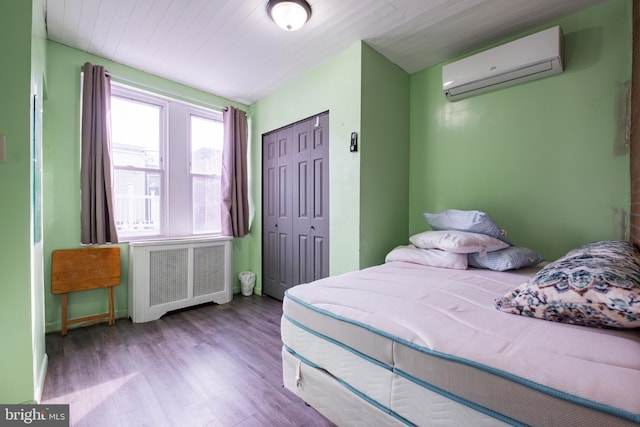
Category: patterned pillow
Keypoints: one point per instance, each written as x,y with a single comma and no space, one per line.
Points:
509,258
597,285
473,221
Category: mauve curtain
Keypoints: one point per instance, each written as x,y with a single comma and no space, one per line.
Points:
235,205
97,222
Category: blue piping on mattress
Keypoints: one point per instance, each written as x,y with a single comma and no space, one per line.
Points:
519,380
351,389
398,372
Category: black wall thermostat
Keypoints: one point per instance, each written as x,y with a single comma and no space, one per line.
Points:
354,142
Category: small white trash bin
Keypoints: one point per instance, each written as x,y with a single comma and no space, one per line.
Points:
247,281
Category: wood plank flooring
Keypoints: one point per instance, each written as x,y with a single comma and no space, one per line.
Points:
216,365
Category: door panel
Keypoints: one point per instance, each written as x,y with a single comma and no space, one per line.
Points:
284,217
276,216
317,259
269,217
300,268
302,137
319,221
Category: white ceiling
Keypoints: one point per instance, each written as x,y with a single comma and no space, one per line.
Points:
231,48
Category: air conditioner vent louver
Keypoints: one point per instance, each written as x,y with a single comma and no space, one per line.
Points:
170,275
529,58
208,270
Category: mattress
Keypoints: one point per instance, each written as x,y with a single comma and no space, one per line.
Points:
399,335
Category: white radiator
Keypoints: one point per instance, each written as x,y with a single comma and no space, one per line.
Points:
172,274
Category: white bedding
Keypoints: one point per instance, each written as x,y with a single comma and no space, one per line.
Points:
451,313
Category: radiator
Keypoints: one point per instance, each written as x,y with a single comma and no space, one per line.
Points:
174,274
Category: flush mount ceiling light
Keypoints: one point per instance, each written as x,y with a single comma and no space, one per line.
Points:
290,15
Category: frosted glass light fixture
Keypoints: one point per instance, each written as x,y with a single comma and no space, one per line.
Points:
290,15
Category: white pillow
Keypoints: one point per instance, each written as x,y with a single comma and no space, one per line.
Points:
430,257
472,221
461,242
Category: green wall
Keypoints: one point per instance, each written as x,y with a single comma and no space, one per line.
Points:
333,86
62,168
369,189
22,357
547,159
384,175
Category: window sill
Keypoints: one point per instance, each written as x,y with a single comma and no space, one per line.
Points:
186,239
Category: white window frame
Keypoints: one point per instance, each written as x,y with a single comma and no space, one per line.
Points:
203,114
175,157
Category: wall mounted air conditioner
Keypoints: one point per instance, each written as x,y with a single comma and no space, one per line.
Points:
529,58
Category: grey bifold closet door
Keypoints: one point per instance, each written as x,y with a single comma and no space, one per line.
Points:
295,205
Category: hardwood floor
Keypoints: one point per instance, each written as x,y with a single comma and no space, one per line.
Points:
216,365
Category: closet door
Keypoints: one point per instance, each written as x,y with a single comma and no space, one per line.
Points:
311,199
302,141
295,205
277,213
319,221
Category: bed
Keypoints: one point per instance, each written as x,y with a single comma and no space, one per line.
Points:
404,343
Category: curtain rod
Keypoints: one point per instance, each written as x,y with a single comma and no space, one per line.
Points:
161,91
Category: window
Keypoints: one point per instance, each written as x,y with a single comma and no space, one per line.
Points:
206,163
167,157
